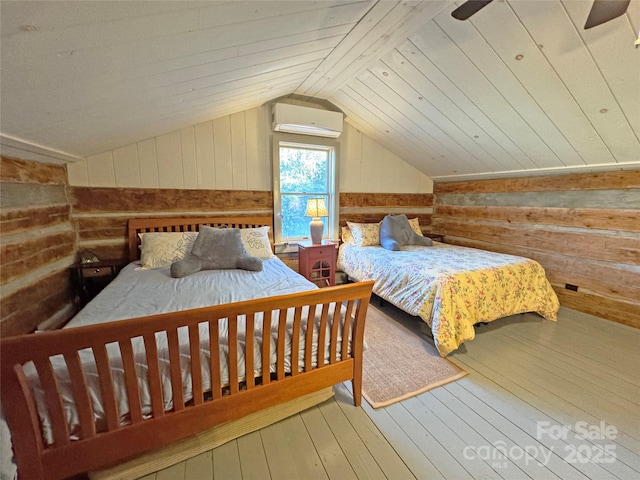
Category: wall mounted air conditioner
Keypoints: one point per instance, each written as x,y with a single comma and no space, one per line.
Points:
306,121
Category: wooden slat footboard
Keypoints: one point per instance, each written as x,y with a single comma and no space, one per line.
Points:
105,436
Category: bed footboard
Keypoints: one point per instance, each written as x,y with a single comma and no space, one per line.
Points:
316,339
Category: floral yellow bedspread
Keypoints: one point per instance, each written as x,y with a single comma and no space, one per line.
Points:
452,288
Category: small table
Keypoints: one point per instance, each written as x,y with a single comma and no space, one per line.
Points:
437,237
317,262
92,277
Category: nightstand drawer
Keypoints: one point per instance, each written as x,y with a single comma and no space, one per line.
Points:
321,252
96,271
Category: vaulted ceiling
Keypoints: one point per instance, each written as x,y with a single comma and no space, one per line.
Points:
521,87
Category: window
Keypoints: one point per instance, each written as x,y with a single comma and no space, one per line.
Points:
303,170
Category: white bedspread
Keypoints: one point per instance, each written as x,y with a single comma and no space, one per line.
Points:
136,292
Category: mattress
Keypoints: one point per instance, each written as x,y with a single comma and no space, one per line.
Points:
452,288
137,292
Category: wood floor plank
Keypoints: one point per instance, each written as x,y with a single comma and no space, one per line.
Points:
253,461
529,465
612,348
560,467
498,417
585,388
199,467
290,452
226,462
151,476
417,460
376,443
578,368
526,409
591,322
585,346
362,461
550,383
440,456
526,413
333,458
627,448
174,472
431,417
589,360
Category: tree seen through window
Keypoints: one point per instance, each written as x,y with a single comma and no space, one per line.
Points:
304,173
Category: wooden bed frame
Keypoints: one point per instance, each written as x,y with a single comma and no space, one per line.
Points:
99,449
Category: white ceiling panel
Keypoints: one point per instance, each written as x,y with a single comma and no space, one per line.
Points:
519,88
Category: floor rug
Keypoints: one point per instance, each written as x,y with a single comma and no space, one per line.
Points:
399,363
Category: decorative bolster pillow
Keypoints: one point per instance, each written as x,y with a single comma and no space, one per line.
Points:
216,249
396,232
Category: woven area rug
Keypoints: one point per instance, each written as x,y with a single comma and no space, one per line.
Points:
398,363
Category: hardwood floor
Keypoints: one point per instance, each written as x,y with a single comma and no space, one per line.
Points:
561,400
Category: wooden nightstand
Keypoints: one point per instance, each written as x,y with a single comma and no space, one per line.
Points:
437,237
91,278
317,262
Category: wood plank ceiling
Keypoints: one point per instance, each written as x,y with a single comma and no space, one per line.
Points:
519,88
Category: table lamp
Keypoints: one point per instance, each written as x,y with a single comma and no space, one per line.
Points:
316,208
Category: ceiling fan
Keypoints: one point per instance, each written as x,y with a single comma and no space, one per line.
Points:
601,11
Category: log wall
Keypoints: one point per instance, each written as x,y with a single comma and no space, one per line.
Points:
38,246
372,207
100,214
583,228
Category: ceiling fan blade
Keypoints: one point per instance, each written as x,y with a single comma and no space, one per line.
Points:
604,10
469,8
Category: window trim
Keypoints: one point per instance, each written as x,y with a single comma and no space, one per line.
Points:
334,196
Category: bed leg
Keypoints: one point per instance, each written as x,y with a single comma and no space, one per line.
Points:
356,388
356,381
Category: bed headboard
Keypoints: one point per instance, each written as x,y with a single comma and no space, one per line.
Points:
164,224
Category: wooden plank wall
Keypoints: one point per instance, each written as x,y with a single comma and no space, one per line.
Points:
234,153
38,246
372,207
227,153
100,214
583,228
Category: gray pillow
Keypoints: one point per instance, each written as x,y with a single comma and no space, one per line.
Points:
396,232
216,249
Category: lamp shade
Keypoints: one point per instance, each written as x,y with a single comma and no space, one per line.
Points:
316,207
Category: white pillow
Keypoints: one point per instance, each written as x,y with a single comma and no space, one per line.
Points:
256,241
365,234
161,249
347,236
